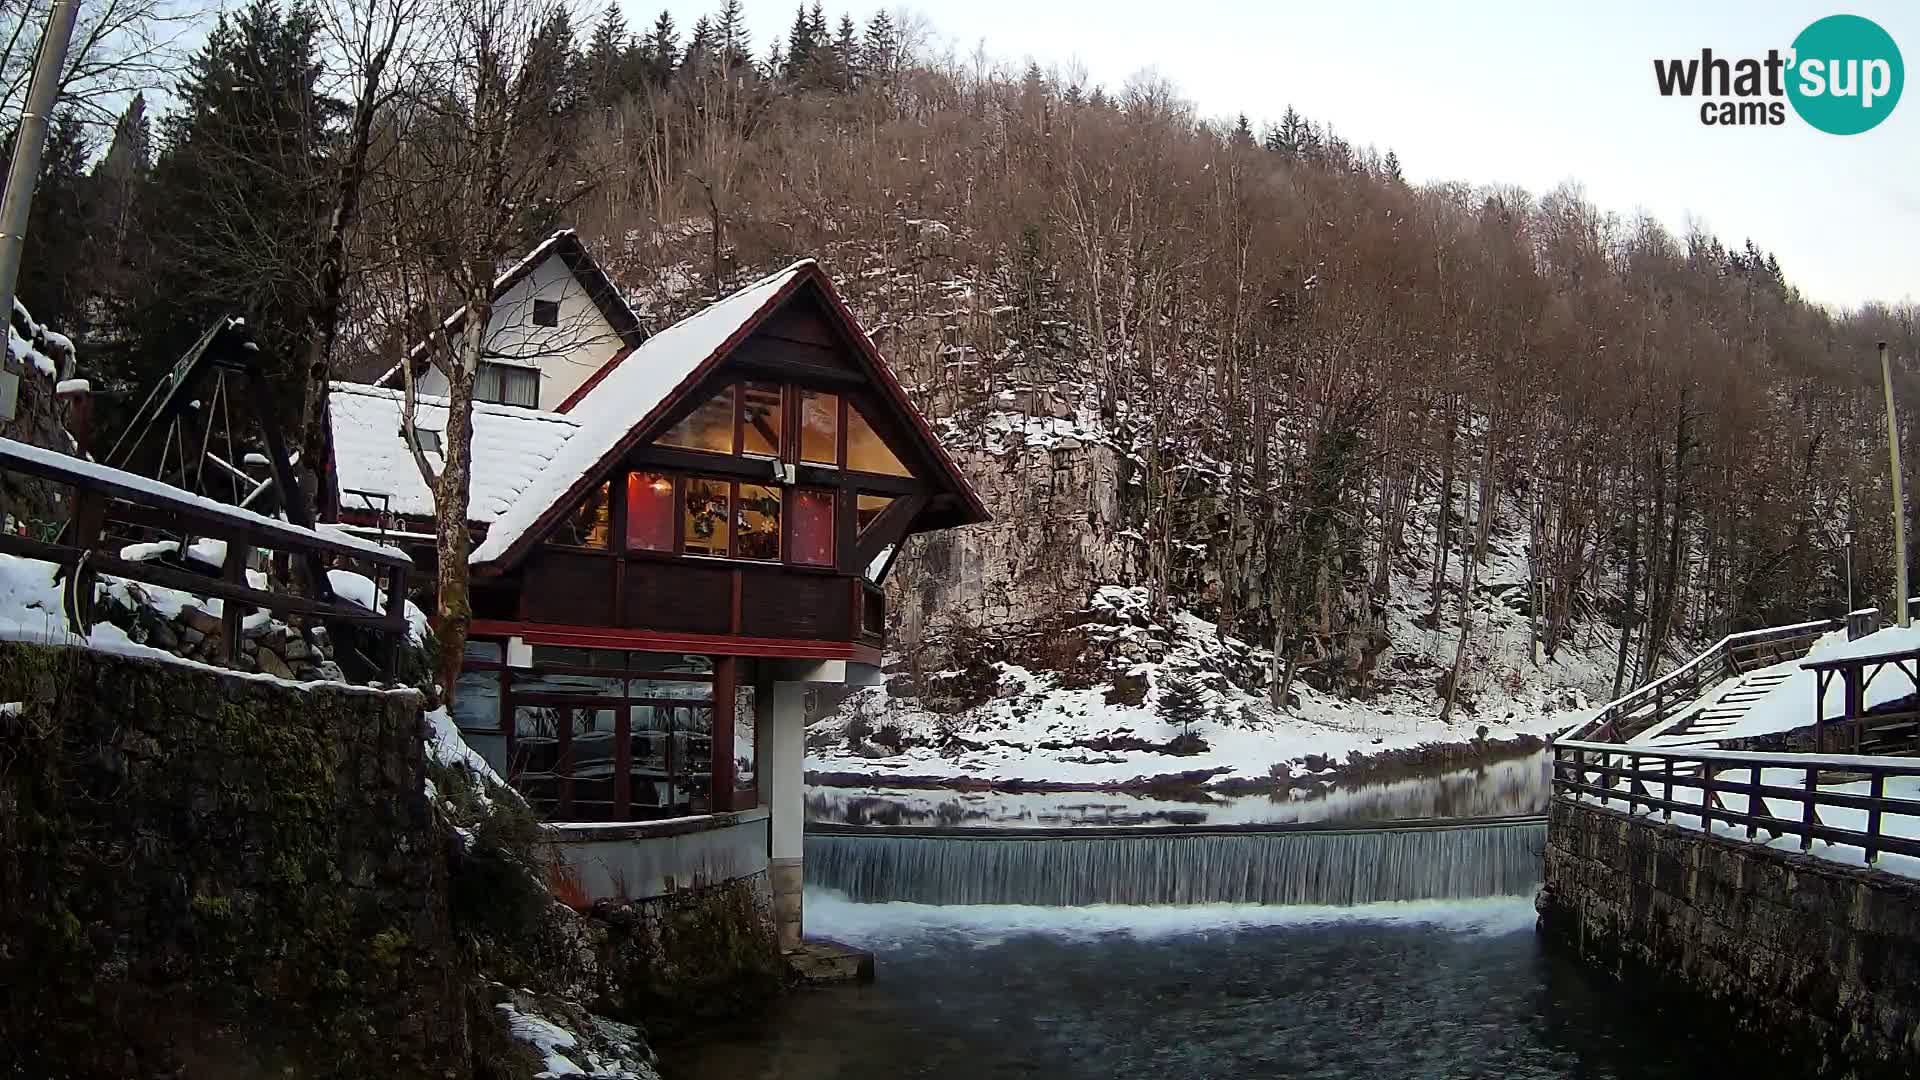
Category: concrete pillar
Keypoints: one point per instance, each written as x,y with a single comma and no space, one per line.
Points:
783,716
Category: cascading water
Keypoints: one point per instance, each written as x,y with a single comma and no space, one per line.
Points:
1181,866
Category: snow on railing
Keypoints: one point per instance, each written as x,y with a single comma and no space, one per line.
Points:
1686,681
1685,782
104,495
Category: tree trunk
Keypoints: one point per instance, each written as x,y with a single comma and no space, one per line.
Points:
1446,514
1633,578
453,610
323,317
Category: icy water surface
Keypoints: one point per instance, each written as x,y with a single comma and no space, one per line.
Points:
1498,789
1436,989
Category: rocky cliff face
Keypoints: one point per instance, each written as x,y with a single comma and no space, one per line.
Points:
1056,536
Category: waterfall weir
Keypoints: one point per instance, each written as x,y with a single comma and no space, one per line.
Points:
1421,860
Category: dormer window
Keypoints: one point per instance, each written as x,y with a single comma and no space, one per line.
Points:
546,313
502,384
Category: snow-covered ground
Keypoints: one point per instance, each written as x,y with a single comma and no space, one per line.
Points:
1036,727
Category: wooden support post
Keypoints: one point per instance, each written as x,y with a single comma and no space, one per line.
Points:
1667,810
725,679
1876,790
1633,785
89,521
396,621
1807,816
1753,800
232,612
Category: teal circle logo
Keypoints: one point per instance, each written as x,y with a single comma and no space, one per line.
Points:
1846,75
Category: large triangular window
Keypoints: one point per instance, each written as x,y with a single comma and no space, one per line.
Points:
867,451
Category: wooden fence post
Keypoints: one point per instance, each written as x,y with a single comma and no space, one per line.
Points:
232,612
1806,807
1876,791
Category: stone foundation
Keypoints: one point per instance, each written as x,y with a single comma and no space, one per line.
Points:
789,883
1820,959
674,962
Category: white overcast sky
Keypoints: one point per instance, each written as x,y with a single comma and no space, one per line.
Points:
1504,92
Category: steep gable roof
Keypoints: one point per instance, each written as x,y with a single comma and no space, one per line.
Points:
567,246
623,402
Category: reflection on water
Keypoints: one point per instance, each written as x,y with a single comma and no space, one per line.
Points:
1460,989
1514,786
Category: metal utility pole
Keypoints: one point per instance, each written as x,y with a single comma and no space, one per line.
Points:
28,142
1899,505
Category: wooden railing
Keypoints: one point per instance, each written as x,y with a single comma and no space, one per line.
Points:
1660,699
1730,787
103,496
1859,729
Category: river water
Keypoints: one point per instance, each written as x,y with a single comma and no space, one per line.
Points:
1060,989
1449,989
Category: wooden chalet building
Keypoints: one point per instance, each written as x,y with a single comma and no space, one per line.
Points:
675,534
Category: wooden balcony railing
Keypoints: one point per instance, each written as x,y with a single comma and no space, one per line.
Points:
104,497
1734,788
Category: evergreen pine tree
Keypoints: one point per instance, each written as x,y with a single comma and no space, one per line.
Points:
230,211
1180,702
662,50
606,57
882,47
734,44
1242,133
800,46
1392,168
55,265
846,54
1291,134
702,51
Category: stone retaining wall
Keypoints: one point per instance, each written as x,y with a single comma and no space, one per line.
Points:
1820,959
204,874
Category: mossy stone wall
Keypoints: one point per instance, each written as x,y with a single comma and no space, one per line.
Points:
204,874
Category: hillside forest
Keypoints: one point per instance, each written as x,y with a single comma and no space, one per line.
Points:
1324,388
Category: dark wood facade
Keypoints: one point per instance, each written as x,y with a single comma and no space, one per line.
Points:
750,518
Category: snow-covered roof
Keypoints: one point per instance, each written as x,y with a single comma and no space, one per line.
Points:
624,396
511,448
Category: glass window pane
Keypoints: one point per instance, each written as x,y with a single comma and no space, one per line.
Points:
520,386
692,759
476,701
676,689
691,663
590,764
709,427
867,508
745,758
482,649
649,512
866,451
549,682
587,525
760,413
706,503
819,427
757,520
648,765
813,528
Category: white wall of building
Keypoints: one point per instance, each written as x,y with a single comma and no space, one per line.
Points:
565,355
